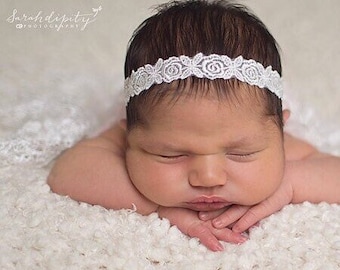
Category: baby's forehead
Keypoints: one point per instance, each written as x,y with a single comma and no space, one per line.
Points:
160,99
221,92
204,110
203,126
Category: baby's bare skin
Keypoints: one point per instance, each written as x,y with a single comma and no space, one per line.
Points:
94,171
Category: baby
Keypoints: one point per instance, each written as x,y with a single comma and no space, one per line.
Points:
203,142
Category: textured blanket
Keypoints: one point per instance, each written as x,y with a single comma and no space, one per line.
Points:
53,92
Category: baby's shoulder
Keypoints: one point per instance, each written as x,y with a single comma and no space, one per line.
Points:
113,139
297,149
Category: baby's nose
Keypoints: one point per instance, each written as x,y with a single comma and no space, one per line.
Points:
208,171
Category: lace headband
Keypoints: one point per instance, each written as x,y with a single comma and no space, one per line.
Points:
212,67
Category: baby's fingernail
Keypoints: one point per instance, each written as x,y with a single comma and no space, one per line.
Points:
257,224
219,247
241,239
217,223
236,229
202,216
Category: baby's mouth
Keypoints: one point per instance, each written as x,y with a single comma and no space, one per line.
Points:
208,203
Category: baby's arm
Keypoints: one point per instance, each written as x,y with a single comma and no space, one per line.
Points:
315,176
94,171
315,179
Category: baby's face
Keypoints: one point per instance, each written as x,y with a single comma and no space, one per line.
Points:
204,154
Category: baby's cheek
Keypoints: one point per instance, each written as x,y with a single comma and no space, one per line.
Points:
272,172
261,184
136,172
151,181
271,181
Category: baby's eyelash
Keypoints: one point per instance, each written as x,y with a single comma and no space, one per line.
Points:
171,157
241,156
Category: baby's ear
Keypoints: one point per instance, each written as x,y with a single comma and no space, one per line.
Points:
123,124
285,115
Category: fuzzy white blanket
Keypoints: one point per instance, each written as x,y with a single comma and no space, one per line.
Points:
48,101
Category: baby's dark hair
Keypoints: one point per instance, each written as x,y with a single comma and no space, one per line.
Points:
210,27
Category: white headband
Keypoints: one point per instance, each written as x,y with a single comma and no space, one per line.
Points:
212,67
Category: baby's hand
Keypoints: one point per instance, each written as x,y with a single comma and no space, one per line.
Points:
240,218
226,217
188,222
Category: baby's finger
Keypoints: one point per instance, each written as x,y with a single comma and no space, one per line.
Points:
229,236
255,214
262,210
230,216
205,236
207,215
249,219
